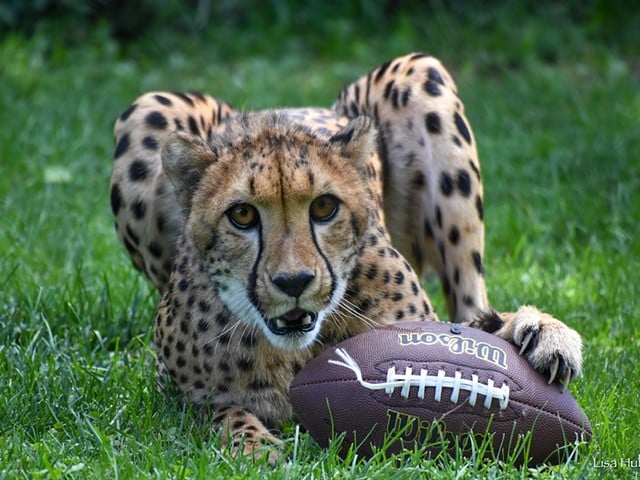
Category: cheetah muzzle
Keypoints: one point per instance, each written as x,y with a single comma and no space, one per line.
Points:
296,321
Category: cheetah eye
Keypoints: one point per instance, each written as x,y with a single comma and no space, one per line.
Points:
324,208
243,216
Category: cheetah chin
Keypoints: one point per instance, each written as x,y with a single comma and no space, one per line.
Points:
294,322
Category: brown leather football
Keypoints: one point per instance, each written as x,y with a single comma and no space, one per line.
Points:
424,383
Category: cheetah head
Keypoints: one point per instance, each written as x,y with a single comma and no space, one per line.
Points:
276,217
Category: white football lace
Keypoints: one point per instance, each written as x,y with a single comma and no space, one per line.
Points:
424,381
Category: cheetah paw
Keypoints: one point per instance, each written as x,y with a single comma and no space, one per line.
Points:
268,450
246,436
550,346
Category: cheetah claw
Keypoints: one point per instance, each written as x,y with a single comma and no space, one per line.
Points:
526,341
553,370
558,369
560,372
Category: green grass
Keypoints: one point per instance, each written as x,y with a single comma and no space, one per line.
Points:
555,112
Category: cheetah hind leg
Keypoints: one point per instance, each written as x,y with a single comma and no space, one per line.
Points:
246,435
433,196
552,347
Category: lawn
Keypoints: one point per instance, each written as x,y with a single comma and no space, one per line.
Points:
554,100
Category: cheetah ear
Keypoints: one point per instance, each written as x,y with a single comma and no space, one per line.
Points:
357,140
184,159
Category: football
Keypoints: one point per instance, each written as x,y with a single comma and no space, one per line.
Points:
422,384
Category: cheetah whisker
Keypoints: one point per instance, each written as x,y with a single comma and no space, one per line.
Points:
352,310
228,330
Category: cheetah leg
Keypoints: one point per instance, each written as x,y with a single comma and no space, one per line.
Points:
143,201
245,434
550,346
432,186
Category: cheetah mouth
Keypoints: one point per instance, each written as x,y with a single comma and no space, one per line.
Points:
295,321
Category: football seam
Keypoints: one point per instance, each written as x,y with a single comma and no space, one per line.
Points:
556,415
321,382
519,402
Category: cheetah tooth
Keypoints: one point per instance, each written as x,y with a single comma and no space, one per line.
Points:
280,323
307,319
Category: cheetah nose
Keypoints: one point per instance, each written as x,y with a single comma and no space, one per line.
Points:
293,285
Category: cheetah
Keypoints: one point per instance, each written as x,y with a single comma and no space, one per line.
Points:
275,234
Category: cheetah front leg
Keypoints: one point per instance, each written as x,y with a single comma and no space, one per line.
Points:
433,201
551,347
431,174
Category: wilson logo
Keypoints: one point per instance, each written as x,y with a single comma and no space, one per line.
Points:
458,345
411,430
